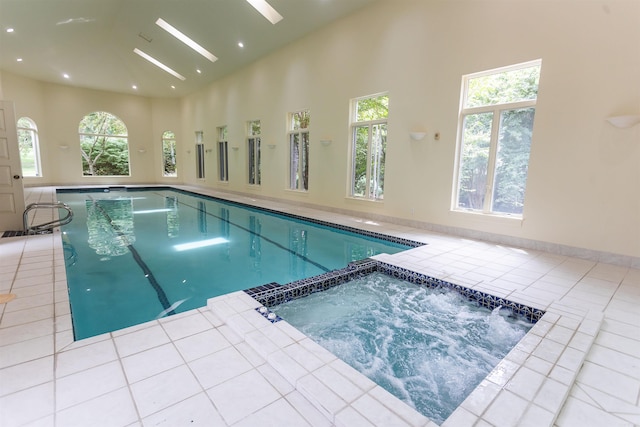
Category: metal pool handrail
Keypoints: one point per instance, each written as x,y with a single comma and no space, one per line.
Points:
47,225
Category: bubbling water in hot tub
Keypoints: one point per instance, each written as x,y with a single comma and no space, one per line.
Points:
428,347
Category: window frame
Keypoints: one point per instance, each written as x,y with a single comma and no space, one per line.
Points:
497,111
254,139
35,142
369,192
165,140
299,167
200,165
223,154
124,136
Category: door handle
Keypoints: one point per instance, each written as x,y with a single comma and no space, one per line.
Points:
16,177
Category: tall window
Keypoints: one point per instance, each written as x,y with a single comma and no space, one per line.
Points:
199,155
496,124
253,145
299,150
169,153
29,147
104,145
223,154
369,144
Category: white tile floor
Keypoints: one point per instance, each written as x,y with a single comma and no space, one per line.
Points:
225,365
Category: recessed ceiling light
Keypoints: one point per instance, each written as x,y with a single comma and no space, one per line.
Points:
19,59
66,76
240,44
173,87
10,30
158,64
198,71
266,10
186,40
134,87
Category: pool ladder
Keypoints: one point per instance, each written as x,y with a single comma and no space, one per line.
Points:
47,226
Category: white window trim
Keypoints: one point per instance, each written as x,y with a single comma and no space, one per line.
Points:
496,109
351,146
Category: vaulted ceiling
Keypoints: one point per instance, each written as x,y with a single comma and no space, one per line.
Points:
90,43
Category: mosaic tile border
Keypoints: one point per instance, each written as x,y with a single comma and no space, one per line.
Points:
272,294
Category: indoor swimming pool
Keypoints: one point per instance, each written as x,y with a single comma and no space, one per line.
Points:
134,255
428,346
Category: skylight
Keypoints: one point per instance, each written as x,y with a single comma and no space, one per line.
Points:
186,40
266,10
159,64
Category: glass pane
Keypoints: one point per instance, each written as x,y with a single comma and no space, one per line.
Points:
168,135
361,138
305,161
258,159
26,143
375,108
254,128
499,88
104,156
512,160
24,122
300,120
169,153
102,123
476,137
103,145
223,161
222,133
200,160
252,160
378,153
294,177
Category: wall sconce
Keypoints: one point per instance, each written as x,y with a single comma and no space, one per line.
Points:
325,142
417,136
141,150
208,150
272,146
624,121
235,148
64,147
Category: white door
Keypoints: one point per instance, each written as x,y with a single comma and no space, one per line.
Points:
11,191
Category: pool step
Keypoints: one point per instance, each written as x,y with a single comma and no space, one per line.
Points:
337,391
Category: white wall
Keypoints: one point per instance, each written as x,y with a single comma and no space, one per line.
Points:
58,110
584,175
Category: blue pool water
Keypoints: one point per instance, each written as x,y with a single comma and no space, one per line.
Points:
428,347
133,256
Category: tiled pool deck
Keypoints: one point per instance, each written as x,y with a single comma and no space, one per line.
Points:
226,365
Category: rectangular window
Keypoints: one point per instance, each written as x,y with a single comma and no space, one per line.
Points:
496,126
199,155
29,147
299,150
369,146
169,154
253,150
223,154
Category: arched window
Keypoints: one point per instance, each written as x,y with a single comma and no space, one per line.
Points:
29,147
104,145
169,154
